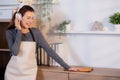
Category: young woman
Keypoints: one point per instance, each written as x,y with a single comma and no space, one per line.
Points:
23,40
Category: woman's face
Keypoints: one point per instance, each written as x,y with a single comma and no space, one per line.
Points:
27,20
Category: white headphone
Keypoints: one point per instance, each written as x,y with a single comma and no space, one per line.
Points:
18,14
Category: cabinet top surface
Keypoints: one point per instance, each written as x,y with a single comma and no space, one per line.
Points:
96,71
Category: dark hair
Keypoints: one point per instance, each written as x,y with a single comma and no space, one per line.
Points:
22,10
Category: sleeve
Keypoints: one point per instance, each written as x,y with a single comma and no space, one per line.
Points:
13,42
43,43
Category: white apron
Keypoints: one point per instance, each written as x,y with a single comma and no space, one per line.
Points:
24,65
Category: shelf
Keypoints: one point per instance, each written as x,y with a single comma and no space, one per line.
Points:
5,20
4,50
90,33
98,32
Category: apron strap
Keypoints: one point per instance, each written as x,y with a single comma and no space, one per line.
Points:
32,34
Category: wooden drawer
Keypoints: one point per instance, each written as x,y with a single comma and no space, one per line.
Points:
50,73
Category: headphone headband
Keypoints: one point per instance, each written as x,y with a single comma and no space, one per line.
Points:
20,6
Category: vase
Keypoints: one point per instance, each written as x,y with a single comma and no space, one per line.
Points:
69,28
117,27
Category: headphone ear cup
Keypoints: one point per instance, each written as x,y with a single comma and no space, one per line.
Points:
19,16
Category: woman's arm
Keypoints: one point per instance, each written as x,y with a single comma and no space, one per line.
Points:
42,42
13,39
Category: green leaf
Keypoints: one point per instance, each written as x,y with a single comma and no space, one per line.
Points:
115,18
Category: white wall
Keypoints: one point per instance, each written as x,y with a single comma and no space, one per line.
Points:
90,49
7,2
93,50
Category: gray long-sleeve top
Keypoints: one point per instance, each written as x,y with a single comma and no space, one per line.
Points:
14,37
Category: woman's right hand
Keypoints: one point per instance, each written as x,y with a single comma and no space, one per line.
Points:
17,23
81,69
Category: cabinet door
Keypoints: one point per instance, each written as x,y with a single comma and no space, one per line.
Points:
91,77
3,41
51,75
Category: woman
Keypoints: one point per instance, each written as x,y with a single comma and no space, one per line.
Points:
23,40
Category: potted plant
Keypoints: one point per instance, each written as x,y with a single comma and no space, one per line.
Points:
62,27
115,19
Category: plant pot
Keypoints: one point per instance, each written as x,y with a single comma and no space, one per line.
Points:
69,28
117,27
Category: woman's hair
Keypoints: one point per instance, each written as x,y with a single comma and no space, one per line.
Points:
22,11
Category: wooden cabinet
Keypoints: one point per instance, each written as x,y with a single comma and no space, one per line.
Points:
55,73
